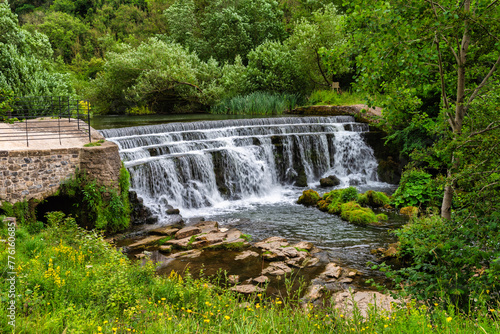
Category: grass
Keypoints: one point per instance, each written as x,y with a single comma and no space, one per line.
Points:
257,103
330,97
70,280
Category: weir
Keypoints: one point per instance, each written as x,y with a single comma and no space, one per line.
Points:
200,164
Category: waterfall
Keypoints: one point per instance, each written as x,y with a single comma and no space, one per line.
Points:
200,164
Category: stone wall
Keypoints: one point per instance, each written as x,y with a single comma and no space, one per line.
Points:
27,174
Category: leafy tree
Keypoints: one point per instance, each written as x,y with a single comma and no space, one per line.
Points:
412,49
309,40
159,75
25,68
271,67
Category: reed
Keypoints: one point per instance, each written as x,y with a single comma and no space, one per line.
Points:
257,103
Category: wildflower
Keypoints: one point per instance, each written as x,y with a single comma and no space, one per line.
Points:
448,319
492,310
436,304
114,329
99,328
385,326
227,317
206,320
164,299
278,302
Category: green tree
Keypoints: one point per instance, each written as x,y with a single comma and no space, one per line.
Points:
310,40
25,60
412,49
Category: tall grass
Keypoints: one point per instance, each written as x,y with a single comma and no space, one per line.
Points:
71,281
257,103
331,97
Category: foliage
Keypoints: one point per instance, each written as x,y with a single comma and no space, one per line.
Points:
349,194
257,103
331,97
451,258
271,67
71,279
24,60
98,206
417,188
310,37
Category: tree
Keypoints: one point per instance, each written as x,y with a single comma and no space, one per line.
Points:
412,49
25,60
309,40
160,75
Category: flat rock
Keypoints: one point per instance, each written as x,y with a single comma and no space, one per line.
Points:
208,226
193,253
165,248
290,252
274,255
352,274
140,256
304,245
314,292
310,262
233,279
246,254
164,230
247,289
233,235
346,280
272,243
187,232
180,243
332,270
261,279
344,301
212,238
277,269
148,241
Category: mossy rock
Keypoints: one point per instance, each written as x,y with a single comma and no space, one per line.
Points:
334,207
349,194
323,205
332,195
329,181
309,198
375,199
382,217
409,211
362,217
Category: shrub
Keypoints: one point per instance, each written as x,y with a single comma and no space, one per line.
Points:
409,211
349,194
417,188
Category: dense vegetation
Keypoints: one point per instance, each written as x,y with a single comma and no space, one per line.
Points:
431,65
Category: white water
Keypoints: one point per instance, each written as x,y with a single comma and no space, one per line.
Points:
207,168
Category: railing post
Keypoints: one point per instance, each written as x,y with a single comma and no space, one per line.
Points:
27,142
78,113
88,120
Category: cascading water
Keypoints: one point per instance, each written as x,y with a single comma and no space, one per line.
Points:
201,165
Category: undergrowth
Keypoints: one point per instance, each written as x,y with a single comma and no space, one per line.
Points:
257,103
69,280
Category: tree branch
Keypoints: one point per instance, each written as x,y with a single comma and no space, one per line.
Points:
481,85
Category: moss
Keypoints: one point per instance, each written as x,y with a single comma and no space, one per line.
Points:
409,211
323,205
334,207
362,217
382,217
229,246
309,198
162,241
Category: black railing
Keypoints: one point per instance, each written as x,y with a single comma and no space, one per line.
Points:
44,118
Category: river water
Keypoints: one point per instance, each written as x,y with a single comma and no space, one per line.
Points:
243,173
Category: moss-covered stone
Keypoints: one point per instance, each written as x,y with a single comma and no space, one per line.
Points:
323,205
382,217
334,207
362,217
309,198
409,211
374,199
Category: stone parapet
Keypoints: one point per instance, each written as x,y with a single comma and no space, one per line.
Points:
37,174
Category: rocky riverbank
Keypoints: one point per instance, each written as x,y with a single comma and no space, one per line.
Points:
271,266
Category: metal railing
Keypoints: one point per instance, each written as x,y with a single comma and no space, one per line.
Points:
45,118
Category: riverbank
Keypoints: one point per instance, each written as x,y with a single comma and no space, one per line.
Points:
71,280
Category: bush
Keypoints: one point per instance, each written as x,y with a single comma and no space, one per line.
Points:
451,260
417,188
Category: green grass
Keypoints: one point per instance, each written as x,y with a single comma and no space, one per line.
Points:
257,103
71,281
330,97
